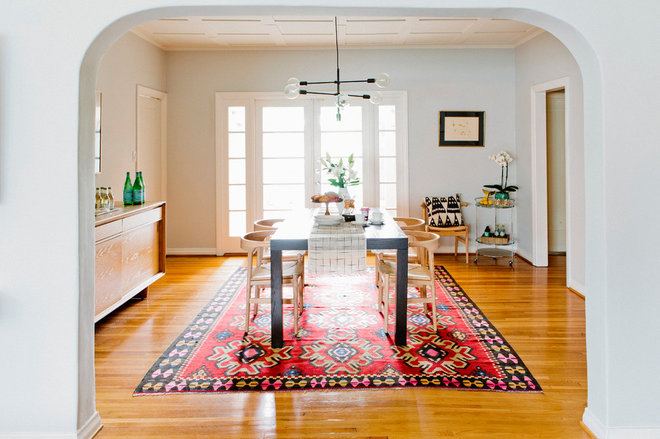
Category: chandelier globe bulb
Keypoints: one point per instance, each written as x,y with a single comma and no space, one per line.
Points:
291,91
376,97
294,81
343,101
383,80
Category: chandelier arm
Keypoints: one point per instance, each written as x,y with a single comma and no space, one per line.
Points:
317,82
360,96
318,93
356,80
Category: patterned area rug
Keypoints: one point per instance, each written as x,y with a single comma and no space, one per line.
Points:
342,345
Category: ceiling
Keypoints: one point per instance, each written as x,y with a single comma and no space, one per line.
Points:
296,32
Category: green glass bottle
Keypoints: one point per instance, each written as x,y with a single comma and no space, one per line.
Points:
137,190
128,190
144,187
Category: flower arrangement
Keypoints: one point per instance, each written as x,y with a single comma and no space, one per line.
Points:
503,159
341,174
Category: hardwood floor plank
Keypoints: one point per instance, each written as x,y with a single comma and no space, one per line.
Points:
540,318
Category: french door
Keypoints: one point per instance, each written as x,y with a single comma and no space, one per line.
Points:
268,152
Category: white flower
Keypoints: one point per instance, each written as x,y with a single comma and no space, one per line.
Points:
502,159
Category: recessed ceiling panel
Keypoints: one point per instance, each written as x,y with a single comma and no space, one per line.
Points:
497,39
194,33
305,26
506,26
250,40
375,26
310,40
426,38
228,25
386,39
442,24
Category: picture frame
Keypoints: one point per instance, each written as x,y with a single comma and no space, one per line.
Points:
461,128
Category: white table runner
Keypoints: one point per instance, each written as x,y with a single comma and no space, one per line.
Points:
339,248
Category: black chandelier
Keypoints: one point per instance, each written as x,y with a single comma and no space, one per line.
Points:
292,90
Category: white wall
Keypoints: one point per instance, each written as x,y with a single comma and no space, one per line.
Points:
49,58
453,79
544,59
130,62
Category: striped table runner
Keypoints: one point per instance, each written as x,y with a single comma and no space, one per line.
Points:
338,248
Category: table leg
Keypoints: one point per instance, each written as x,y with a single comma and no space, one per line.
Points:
276,323
400,336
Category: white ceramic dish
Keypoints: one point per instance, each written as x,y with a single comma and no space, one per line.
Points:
328,220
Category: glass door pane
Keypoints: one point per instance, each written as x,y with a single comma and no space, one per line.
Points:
340,139
236,171
387,163
282,155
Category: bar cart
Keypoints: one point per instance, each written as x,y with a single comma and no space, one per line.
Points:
494,229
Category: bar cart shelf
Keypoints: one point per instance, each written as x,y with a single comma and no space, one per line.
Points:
501,213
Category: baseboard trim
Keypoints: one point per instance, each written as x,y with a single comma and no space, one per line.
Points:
91,427
577,288
586,430
593,425
524,259
191,251
580,295
87,431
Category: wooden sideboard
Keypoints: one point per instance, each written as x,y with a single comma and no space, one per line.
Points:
130,254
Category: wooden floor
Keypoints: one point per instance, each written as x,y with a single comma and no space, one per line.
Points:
543,321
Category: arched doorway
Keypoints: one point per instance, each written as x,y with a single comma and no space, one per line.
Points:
571,39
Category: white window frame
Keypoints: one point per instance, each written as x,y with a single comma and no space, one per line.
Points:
251,101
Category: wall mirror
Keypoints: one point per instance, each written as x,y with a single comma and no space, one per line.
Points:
97,133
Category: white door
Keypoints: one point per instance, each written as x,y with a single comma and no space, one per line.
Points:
556,172
151,146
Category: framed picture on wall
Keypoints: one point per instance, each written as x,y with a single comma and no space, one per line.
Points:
461,128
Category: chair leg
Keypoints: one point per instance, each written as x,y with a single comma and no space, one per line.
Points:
433,307
296,293
256,305
455,246
386,301
379,285
467,250
248,293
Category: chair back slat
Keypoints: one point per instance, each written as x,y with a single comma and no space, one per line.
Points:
267,224
255,243
426,244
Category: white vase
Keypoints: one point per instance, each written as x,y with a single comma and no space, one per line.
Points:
343,192
345,195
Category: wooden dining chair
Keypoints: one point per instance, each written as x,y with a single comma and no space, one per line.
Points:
407,223
404,223
287,256
459,233
258,276
420,275
267,223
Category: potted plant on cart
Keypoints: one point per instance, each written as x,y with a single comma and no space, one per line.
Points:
502,190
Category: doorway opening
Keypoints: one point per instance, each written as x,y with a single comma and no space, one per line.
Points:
556,160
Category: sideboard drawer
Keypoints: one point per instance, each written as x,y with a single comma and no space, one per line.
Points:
107,230
143,218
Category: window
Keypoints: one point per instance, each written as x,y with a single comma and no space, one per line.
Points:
268,151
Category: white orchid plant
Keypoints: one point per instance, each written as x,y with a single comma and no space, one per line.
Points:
503,159
341,174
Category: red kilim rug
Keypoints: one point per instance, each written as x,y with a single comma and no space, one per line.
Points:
341,345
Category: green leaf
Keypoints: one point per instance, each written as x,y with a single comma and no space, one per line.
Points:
494,186
511,188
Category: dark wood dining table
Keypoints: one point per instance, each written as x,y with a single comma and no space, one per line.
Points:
293,234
